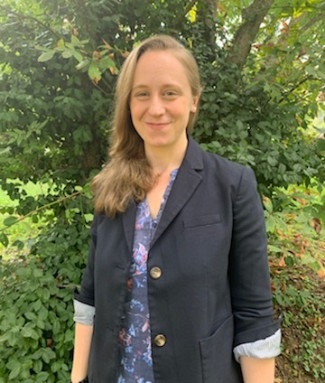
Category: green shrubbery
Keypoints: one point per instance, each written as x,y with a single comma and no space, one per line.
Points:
35,324
58,66
36,296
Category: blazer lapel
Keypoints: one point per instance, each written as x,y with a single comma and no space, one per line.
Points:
187,180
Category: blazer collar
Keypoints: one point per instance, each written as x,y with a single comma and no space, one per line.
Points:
187,180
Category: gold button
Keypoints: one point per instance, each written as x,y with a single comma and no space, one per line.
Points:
155,272
160,340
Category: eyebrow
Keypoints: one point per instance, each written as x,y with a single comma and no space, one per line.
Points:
164,86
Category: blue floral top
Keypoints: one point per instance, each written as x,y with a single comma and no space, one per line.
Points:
134,337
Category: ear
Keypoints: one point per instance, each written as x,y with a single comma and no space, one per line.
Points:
195,104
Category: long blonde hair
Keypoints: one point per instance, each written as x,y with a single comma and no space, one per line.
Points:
128,175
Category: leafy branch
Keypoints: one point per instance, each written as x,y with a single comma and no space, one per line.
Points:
12,220
8,11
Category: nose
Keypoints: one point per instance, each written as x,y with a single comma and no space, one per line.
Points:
156,106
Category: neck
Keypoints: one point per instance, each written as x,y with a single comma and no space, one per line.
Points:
164,159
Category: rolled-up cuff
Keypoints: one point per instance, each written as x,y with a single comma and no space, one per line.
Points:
83,298
260,349
256,333
83,313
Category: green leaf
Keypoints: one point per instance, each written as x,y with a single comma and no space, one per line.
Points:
274,249
14,366
108,63
82,64
28,332
61,44
46,56
46,354
38,364
19,244
272,161
94,72
75,40
15,371
4,239
42,376
67,53
77,55
268,204
88,217
35,218
289,260
9,221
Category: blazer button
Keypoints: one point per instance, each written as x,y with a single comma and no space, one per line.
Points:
155,272
160,340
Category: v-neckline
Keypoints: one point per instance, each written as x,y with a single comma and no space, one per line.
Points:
165,195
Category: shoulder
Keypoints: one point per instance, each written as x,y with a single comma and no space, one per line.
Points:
221,167
101,220
223,164
237,179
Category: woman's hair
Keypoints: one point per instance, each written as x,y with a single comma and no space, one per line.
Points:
128,175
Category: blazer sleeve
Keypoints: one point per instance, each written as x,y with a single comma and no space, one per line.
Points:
87,292
248,265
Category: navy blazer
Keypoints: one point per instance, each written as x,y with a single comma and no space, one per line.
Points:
208,276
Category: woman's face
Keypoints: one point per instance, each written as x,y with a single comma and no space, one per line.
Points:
161,100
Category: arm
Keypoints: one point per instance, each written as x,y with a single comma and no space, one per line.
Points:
83,335
257,370
248,266
257,336
84,312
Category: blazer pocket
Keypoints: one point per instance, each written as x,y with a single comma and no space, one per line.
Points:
218,362
204,220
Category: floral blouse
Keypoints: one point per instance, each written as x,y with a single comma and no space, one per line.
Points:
134,337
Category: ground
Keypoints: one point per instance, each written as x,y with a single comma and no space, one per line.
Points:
303,328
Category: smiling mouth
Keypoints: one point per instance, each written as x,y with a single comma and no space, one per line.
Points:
157,125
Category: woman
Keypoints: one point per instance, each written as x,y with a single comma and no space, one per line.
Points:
177,284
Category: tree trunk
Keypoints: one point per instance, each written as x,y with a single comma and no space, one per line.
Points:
206,13
253,16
